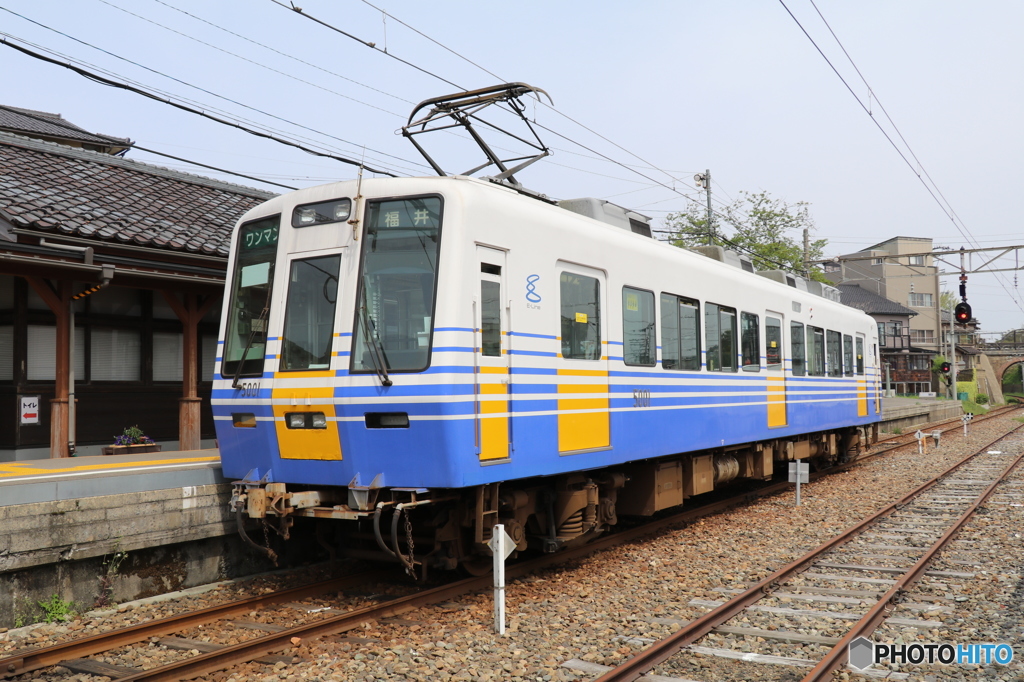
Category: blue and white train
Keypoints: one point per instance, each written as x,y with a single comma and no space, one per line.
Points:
421,358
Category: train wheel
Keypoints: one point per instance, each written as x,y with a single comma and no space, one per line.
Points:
476,566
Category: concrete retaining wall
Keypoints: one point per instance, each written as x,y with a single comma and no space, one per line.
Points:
174,538
908,416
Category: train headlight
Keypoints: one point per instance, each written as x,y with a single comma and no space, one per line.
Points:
324,212
306,420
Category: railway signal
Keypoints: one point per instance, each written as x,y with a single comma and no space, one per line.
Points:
962,312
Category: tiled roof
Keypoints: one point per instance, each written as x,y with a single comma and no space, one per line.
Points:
873,304
32,122
62,190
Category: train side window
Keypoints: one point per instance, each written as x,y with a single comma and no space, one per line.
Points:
773,342
490,318
834,346
638,337
796,340
750,342
680,333
720,333
815,351
848,355
309,314
581,316
860,356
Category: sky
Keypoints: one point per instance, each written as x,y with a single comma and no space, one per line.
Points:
916,135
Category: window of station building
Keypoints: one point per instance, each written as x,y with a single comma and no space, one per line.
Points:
798,349
834,345
638,333
41,361
490,318
815,351
6,353
720,334
116,301
309,313
207,356
773,343
750,342
680,333
115,354
581,316
860,356
6,292
848,355
167,358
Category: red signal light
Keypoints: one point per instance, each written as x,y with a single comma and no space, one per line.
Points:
962,313
945,367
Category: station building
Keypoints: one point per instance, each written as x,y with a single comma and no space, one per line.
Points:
111,279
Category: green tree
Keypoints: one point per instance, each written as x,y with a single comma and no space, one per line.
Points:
769,230
948,300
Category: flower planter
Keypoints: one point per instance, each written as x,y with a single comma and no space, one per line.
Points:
131,449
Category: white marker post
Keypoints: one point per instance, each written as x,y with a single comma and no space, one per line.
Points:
799,472
966,420
501,546
920,442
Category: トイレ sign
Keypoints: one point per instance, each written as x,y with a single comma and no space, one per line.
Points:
30,409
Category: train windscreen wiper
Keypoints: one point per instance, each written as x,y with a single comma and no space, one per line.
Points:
259,322
377,354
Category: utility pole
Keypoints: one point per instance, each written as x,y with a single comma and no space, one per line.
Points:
952,350
704,180
807,253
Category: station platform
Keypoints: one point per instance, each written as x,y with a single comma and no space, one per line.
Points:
50,480
902,413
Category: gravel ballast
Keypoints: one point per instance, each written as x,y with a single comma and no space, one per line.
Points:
602,609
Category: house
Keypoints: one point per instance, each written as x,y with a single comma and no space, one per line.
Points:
111,279
900,269
41,125
906,368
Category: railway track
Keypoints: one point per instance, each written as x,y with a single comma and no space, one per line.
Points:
205,657
859,576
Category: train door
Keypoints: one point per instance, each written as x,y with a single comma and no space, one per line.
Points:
862,380
493,384
774,359
584,418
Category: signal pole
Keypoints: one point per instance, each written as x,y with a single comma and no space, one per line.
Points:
704,180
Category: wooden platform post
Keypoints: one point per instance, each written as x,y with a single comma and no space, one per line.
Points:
190,311
58,299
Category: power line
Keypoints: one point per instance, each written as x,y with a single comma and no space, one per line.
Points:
932,188
283,54
372,46
298,10
124,86
132,145
250,61
195,87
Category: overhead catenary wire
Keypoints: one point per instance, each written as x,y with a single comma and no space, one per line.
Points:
250,61
196,87
124,86
132,145
373,46
930,186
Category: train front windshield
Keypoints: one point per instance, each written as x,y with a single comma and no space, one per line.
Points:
245,338
398,275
